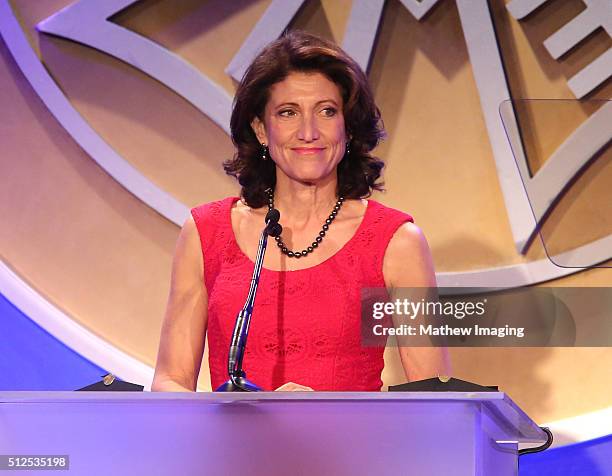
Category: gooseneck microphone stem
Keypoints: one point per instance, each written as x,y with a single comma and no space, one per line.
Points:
237,377
241,330
261,251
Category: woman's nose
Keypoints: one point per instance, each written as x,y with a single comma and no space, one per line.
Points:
308,130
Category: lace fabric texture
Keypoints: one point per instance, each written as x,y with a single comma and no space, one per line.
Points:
306,325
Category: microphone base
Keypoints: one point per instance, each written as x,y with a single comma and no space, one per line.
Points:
244,386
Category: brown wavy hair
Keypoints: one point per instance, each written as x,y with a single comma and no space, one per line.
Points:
296,51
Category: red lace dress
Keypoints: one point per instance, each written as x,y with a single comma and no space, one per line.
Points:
306,325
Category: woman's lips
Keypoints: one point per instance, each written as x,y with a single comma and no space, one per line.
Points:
307,150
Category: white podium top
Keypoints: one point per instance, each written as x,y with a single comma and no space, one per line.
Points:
499,405
271,433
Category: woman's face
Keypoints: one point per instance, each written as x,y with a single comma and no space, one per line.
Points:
303,127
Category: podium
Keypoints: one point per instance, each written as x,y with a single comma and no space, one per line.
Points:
270,433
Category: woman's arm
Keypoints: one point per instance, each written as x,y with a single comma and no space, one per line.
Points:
182,337
408,264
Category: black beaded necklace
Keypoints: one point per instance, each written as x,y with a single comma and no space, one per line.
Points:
318,239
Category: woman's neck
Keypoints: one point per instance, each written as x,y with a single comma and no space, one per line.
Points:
300,203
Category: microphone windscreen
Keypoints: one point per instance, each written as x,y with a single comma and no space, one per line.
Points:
274,229
272,216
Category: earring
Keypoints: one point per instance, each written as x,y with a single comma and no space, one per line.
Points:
348,148
264,152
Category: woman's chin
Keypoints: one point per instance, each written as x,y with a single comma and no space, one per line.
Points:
309,179
309,174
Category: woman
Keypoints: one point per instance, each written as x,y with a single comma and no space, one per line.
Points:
304,124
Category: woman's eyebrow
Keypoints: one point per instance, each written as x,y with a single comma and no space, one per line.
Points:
293,104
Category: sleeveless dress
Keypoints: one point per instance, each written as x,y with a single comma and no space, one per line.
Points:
306,325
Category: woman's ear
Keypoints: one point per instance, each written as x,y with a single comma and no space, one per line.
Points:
259,129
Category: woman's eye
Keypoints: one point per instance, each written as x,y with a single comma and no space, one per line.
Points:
286,113
330,111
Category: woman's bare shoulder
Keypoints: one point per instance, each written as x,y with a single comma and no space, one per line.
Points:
188,262
408,239
408,261
189,234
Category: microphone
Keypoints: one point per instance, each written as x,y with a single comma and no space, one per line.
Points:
273,227
272,216
237,377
